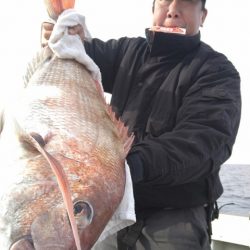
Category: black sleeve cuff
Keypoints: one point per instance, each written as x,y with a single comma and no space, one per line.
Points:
136,167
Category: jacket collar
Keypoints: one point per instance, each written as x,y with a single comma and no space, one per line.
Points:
171,45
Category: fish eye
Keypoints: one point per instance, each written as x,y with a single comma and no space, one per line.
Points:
84,212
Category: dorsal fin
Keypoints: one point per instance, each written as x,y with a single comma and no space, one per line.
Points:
122,129
127,139
1,120
41,56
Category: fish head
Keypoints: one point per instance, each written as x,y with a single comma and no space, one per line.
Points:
25,195
36,214
95,195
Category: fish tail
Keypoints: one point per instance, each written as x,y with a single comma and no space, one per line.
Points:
56,7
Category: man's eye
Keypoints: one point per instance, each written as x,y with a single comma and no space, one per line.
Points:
162,2
168,1
190,1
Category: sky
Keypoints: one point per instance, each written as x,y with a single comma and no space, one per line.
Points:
226,29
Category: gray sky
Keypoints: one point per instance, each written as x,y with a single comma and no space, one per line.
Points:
226,30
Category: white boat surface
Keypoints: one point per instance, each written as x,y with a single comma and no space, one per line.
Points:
231,232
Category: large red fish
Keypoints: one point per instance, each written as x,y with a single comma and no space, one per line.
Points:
62,155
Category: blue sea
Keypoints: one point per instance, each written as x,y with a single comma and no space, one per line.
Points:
236,197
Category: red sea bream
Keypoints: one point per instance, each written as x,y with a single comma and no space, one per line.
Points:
62,155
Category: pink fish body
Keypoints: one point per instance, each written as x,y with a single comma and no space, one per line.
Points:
62,155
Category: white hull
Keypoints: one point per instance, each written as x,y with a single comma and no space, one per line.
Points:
231,232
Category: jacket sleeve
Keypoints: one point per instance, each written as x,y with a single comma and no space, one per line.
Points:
203,134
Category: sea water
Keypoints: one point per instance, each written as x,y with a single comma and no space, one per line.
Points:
236,183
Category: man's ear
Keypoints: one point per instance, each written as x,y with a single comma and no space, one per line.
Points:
153,6
203,16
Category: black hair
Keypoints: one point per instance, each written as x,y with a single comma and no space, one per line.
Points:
203,5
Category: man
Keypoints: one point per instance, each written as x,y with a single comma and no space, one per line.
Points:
182,101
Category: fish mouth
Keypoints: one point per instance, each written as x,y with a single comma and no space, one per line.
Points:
52,230
25,242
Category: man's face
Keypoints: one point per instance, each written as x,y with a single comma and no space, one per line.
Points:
186,14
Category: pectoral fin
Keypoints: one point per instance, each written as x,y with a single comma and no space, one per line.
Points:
36,141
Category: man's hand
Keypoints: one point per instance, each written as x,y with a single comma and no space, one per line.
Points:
47,28
77,30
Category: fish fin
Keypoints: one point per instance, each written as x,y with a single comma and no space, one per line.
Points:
122,129
1,120
43,55
34,140
56,7
123,132
65,190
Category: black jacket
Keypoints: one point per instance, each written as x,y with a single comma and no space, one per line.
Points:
182,100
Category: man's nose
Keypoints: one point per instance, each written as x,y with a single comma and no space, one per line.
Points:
173,9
